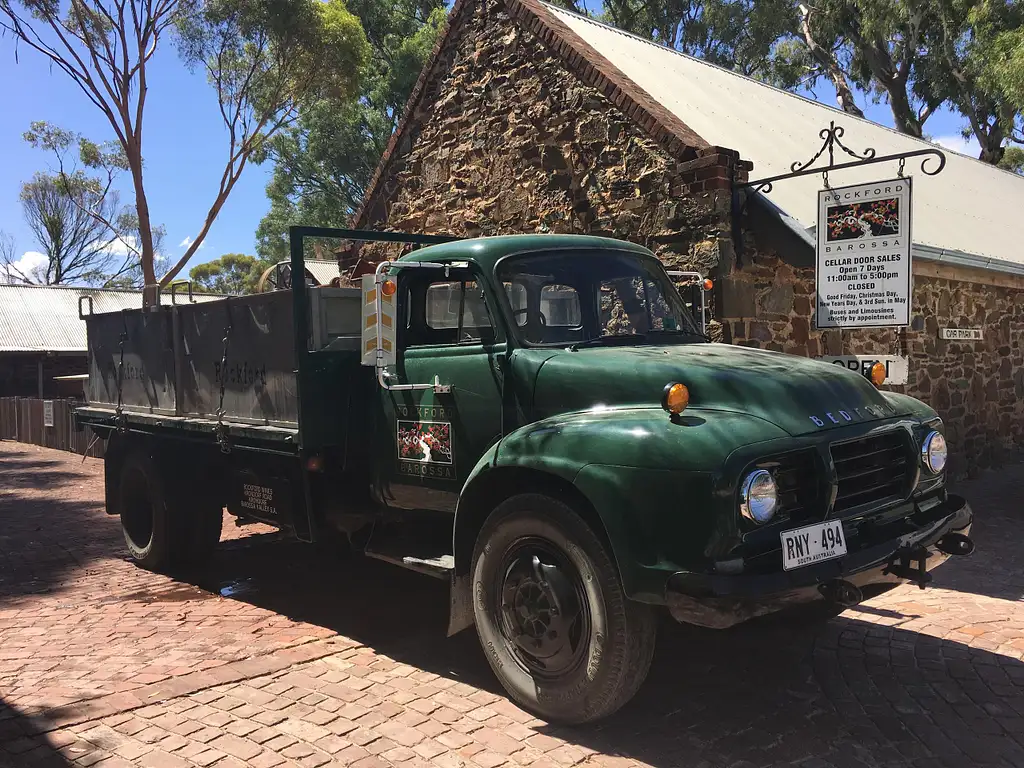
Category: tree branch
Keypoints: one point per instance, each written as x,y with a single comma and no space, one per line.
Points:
844,94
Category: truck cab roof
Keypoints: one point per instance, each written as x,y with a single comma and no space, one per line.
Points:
487,251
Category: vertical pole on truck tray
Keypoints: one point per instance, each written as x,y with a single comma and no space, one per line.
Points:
300,302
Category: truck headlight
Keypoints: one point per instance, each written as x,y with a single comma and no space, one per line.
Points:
759,496
933,452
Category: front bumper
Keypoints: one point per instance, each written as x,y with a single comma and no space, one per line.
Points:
722,600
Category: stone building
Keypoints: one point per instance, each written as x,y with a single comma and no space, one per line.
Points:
528,118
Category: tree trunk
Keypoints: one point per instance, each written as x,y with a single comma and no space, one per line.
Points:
844,93
903,115
148,257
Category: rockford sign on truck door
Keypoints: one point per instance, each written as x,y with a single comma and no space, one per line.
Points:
862,275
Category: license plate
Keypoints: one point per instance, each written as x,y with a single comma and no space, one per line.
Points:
812,544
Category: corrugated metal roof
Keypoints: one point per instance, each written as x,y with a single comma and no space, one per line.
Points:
45,318
322,271
968,208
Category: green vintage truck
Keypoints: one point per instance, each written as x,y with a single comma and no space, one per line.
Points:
541,421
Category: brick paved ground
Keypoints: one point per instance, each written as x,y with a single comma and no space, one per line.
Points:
279,655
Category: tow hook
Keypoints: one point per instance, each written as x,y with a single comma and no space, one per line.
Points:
902,565
841,592
955,544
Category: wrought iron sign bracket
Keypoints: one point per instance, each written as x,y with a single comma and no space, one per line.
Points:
832,138
831,141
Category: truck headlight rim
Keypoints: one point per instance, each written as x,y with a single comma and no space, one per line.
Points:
934,452
759,497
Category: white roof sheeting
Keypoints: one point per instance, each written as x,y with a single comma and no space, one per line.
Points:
45,318
968,208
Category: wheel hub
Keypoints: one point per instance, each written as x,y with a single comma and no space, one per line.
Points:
542,611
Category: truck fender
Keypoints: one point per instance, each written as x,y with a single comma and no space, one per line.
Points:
489,483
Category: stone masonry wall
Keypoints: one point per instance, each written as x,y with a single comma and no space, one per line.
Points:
507,139
513,142
977,387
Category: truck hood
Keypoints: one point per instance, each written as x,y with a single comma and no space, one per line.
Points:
797,394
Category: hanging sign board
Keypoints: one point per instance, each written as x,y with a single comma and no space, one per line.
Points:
862,271
47,413
897,367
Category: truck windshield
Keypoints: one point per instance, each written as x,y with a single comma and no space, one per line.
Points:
592,298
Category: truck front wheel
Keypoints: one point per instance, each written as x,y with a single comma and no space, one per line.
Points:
552,617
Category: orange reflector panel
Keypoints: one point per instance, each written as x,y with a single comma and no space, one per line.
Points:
708,285
388,288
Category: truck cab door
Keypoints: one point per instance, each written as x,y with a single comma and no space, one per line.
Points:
447,330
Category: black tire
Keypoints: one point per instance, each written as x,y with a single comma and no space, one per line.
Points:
151,532
568,681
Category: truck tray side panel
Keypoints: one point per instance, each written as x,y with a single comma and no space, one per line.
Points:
259,373
147,374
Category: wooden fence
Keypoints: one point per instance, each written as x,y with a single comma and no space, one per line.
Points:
24,419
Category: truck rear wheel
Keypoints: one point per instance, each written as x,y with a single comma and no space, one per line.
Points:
149,528
160,529
555,624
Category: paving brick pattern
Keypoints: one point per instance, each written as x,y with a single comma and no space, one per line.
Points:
281,655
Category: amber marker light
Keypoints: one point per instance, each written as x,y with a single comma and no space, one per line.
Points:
675,398
878,374
388,288
708,285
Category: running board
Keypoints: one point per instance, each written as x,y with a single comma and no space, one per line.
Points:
439,567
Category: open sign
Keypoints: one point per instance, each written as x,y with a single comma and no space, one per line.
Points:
896,367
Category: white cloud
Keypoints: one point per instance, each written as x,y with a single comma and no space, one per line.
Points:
31,265
958,143
119,246
188,242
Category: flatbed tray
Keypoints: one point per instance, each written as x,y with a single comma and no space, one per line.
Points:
93,415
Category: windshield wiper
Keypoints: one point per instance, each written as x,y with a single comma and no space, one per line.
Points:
611,340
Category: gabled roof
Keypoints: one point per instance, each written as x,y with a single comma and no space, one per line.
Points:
672,133
45,318
963,215
968,210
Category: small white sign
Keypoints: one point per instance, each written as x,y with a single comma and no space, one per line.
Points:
897,368
960,334
47,413
862,272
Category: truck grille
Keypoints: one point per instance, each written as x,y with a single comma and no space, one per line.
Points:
796,477
870,470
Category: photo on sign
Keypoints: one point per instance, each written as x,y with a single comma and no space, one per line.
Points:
852,221
428,442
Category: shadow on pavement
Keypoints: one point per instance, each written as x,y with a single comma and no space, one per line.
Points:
780,690
38,751
46,530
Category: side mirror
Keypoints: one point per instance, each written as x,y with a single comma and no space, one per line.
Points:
692,288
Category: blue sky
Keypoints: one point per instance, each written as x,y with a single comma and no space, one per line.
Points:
185,147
